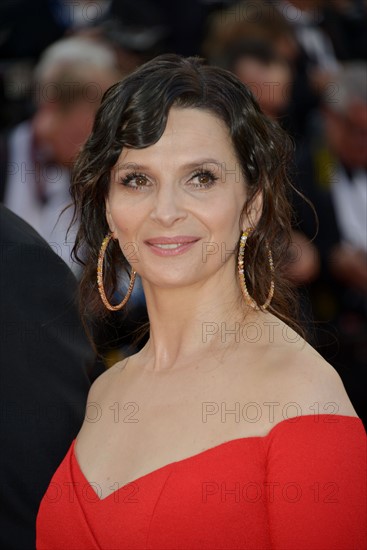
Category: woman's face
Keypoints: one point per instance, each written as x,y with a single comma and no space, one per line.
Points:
175,206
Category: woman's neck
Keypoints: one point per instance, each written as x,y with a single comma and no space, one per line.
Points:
190,322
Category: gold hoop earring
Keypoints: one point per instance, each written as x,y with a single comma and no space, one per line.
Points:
241,274
102,293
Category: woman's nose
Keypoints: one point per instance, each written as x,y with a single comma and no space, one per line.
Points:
169,206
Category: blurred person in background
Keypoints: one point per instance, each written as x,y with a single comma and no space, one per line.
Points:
69,82
26,30
331,171
270,77
247,21
263,26
312,35
328,32
268,74
330,274
305,17
47,367
345,23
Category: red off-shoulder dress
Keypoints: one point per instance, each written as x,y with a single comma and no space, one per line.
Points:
300,487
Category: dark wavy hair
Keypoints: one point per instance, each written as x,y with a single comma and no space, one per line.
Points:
133,113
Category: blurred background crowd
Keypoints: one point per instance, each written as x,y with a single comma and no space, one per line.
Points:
304,60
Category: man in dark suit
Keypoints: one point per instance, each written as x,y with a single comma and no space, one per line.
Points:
46,369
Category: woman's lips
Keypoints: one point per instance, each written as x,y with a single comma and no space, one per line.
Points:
171,246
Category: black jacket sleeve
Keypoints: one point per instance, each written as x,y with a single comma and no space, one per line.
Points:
45,361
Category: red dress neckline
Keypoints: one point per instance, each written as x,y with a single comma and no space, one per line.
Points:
327,418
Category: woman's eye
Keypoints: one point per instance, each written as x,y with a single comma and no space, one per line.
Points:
135,181
204,179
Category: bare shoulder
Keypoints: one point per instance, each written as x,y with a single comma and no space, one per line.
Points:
106,381
99,397
304,377
321,384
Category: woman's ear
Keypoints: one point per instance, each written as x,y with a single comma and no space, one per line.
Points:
253,215
109,219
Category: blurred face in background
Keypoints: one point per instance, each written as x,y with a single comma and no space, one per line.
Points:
269,82
346,133
66,112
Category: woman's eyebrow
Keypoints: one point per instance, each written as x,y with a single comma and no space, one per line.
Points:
130,166
202,162
191,165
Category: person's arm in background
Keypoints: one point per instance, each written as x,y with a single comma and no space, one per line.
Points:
46,369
